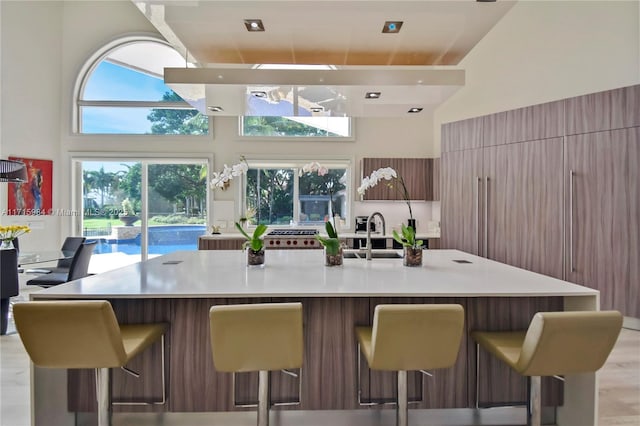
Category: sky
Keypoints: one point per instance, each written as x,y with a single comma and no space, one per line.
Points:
109,82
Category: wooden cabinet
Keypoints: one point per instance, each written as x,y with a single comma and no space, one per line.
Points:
505,203
436,179
553,189
609,110
461,135
416,172
220,244
460,206
602,215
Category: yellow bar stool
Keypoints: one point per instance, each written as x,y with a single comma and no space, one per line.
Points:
411,337
84,334
555,344
257,337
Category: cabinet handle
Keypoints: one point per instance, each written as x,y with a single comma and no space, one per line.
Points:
478,235
571,177
486,217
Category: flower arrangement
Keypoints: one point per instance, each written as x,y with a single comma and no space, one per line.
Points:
389,174
11,232
408,237
248,216
254,242
331,243
221,180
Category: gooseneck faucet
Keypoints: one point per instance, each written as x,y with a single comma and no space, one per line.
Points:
384,231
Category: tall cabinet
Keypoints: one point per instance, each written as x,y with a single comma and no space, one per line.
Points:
552,188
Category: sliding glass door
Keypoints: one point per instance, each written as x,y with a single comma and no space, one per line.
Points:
137,209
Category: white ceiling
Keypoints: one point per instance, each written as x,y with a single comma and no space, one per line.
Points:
434,37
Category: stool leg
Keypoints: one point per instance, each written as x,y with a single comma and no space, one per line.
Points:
535,401
102,396
402,412
263,398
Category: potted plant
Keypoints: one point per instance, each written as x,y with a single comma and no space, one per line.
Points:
254,244
412,248
332,247
128,215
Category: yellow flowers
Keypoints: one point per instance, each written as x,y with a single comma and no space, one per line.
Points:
13,231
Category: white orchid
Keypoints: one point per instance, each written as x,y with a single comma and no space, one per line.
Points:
221,180
386,173
314,166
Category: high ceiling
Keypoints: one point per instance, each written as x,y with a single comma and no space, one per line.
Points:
435,36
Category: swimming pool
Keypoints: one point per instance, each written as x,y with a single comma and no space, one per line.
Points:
162,240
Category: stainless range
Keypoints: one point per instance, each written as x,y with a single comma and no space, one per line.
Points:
292,239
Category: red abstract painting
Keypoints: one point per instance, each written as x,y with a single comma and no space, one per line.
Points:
33,197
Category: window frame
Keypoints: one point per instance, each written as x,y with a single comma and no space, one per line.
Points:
296,164
86,72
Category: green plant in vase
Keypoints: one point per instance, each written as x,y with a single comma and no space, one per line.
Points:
254,244
412,247
331,244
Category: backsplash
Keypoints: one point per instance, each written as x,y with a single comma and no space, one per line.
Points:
397,212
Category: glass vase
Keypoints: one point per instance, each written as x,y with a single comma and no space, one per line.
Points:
255,258
6,244
333,259
412,256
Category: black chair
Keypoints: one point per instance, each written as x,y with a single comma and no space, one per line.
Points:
78,269
71,244
8,284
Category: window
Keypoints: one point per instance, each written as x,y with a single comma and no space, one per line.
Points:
281,195
121,91
295,111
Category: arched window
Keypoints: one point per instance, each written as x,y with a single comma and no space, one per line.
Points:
121,90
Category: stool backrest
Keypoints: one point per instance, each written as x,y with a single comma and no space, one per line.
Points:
559,343
70,244
80,263
256,337
416,337
70,334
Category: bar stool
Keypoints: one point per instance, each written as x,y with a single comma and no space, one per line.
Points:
555,344
83,334
411,337
257,337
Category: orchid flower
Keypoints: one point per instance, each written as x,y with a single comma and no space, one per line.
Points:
386,173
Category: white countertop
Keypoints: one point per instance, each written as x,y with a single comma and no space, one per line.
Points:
301,273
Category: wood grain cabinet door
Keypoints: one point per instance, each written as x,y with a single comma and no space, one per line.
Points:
534,203
461,203
598,214
416,173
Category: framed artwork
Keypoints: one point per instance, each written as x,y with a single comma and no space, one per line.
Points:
33,197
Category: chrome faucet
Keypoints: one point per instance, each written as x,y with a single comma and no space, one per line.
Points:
384,231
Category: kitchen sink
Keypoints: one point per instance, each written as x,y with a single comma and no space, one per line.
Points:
374,255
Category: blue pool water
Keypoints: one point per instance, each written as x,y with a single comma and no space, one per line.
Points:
162,240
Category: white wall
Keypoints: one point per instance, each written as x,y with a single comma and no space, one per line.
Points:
548,50
31,75
45,44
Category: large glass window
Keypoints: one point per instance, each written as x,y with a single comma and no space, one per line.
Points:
122,91
282,195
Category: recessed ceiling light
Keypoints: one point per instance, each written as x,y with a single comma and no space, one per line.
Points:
317,109
414,110
392,27
259,94
254,25
372,95
215,108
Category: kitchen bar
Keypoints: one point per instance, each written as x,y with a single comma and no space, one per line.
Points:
179,288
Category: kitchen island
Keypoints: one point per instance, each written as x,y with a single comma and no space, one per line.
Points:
180,287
